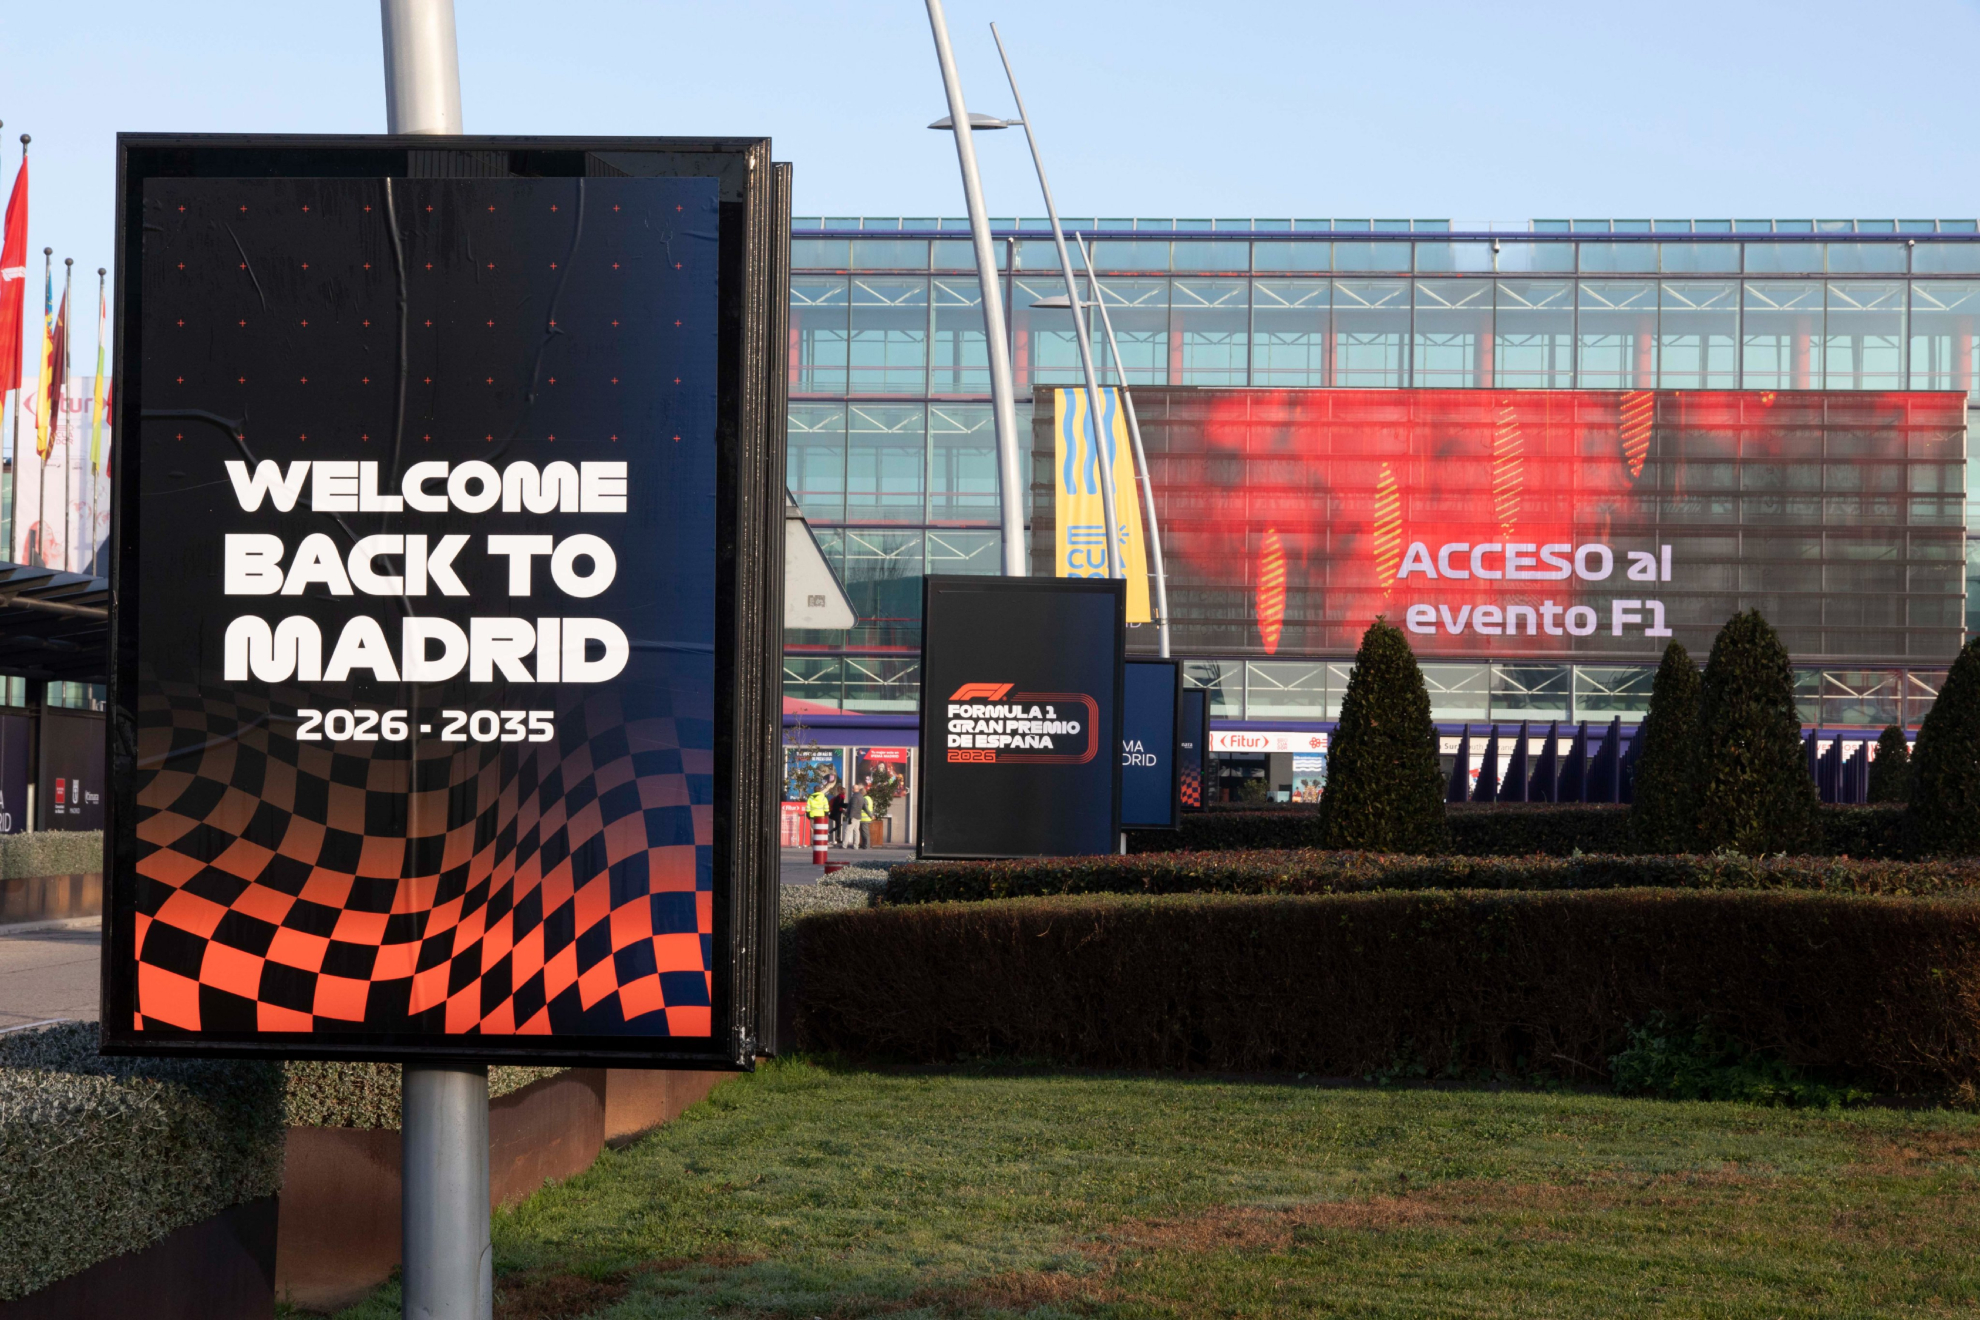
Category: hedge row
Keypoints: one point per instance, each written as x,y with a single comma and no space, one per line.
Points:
1879,989
50,852
101,1156
1507,831
1310,871
366,1095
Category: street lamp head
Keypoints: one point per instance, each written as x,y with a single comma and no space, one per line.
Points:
979,123
1058,302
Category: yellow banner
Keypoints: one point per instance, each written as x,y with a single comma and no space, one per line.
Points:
1081,539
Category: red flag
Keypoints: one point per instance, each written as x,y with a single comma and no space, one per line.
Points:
13,282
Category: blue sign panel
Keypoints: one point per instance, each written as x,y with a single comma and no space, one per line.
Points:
1150,721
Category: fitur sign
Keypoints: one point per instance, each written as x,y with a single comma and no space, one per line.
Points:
446,564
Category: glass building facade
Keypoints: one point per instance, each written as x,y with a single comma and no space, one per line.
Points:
891,452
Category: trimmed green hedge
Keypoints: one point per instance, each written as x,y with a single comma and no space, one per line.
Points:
1508,830
1314,872
50,852
102,1156
366,1095
1882,990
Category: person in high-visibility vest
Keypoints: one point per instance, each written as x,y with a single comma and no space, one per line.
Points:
867,831
817,806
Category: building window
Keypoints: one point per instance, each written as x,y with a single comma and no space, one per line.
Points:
1289,333
1698,335
1863,338
888,341
1533,344
1285,690
1371,332
1210,331
819,331
960,359
1783,322
815,465
1530,692
1944,351
1453,334
1616,335
886,450
962,467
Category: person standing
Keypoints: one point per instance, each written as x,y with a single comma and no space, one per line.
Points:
817,808
838,805
858,811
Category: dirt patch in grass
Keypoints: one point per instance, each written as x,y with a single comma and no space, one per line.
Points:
1914,1152
559,1295
554,1295
1266,1230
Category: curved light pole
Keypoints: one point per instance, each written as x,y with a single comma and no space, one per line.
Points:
1102,442
1003,396
1140,454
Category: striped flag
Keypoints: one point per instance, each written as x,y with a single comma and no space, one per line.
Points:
54,367
97,396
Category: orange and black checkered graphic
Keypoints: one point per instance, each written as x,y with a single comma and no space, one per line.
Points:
487,888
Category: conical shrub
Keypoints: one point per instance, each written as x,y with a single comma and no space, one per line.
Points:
1664,816
1754,793
1944,817
1890,773
1385,790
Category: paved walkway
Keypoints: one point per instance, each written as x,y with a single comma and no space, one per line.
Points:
49,971
797,868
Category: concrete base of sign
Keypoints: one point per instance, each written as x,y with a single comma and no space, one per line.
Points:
48,897
222,1268
340,1231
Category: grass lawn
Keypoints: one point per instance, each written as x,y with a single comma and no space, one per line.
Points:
807,1190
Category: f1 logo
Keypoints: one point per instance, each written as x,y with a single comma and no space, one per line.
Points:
981,692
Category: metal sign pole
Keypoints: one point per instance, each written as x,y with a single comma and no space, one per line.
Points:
1003,396
449,1262
1140,454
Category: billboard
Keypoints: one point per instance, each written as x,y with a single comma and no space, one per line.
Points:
1151,731
71,787
1021,713
1559,524
1192,749
443,510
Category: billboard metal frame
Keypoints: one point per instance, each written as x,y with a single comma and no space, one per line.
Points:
753,196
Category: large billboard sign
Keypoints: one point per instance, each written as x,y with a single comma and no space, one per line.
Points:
1553,524
1021,716
1151,745
448,483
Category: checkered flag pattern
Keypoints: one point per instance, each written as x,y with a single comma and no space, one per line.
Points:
427,886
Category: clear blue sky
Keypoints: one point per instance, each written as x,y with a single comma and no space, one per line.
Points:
1434,109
